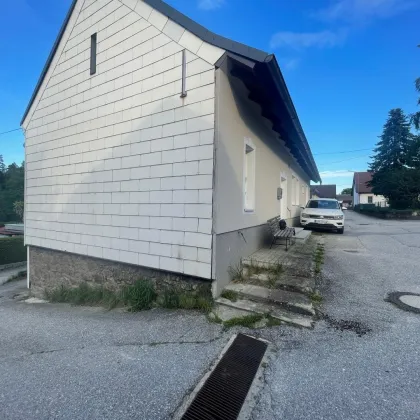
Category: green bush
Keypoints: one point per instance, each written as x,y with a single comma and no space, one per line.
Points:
384,212
12,250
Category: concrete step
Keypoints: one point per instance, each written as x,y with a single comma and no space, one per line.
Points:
227,309
302,236
286,282
291,301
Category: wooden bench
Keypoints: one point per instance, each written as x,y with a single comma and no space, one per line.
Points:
286,234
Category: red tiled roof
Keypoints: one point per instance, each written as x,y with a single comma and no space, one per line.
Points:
359,181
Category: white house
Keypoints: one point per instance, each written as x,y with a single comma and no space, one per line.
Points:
362,192
155,144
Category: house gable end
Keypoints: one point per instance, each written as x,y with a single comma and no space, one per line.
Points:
80,14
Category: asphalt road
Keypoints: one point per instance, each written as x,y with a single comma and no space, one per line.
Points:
331,374
61,362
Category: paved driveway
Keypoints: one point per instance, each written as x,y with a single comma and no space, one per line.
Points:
333,374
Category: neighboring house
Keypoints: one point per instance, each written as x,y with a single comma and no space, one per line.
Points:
362,192
345,200
154,144
323,191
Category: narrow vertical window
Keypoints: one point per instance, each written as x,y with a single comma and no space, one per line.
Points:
184,75
93,54
249,176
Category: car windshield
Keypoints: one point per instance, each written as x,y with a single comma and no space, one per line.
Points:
323,204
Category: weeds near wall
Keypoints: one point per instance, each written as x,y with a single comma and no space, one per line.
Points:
139,296
319,258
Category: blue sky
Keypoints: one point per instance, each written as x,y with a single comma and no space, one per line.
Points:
346,63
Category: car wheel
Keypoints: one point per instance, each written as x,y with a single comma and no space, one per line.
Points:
340,230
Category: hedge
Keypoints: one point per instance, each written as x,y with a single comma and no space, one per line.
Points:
387,212
12,250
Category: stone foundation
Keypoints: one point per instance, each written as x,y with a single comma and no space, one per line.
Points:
50,268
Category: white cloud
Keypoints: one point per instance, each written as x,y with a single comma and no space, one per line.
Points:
210,4
290,63
362,11
301,40
336,174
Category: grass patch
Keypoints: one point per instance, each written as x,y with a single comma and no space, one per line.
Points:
318,258
272,322
230,294
315,297
175,298
139,296
214,318
244,321
275,269
236,273
84,294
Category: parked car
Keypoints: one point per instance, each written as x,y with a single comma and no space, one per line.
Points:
323,213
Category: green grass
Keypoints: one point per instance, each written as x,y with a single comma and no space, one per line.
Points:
319,258
176,298
244,321
236,273
272,322
214,318
230,294
275,270
315,297
136,297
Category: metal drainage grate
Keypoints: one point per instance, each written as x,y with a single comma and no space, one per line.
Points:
225,390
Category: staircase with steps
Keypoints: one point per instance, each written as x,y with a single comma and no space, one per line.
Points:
274,282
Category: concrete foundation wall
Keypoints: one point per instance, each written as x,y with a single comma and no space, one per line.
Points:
231,247
50,269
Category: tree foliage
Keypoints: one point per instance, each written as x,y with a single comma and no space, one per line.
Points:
396,163
415,118
395,144
11,189
347,191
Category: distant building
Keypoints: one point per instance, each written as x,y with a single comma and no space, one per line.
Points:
362,192
346,200
324,191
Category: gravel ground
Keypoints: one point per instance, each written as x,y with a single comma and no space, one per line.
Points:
370,372
62,362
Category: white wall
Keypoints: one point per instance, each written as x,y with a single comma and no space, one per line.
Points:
118,166
363,199
238,118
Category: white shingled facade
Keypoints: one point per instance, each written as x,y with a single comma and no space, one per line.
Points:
118,165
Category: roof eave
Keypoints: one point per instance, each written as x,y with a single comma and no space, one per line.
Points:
284,93
49,60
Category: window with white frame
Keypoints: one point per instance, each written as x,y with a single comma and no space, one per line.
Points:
295,191
249,176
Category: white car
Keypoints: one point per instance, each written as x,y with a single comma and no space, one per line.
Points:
323,213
